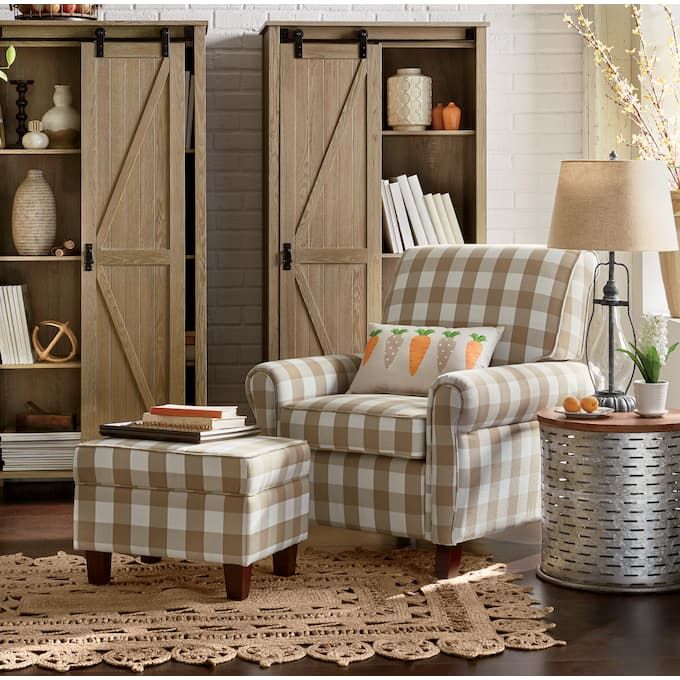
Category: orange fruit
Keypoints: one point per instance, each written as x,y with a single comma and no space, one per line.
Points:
572,405
589,404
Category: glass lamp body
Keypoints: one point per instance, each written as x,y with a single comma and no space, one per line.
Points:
598,351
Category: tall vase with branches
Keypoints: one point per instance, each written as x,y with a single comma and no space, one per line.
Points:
651,102
10,56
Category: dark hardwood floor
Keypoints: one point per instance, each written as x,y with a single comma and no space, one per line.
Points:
606,634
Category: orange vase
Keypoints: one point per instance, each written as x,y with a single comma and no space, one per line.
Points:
451,116
438,117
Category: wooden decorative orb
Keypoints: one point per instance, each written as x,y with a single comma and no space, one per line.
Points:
45,353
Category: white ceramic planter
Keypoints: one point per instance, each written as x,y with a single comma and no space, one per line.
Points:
651,398
409,100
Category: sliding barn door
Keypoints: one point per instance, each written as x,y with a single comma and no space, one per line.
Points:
329,198
133,126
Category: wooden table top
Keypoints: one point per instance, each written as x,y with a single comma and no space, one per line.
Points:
616,422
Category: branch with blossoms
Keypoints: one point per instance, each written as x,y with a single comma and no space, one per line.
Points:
657,133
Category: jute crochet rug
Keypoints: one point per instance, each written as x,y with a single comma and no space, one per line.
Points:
340,607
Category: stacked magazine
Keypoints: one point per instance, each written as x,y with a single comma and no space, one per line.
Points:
38,450
15,341
411,218
181,423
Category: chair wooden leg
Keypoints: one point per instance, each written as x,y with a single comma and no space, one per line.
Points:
98,567
149,559
284,561
237,581
448,560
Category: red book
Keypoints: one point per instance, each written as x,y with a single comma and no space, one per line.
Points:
183,411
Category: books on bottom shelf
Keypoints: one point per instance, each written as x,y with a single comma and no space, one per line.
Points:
412,218
15,317
179,423
22,451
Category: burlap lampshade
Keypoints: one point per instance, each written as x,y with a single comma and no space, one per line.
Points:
613,205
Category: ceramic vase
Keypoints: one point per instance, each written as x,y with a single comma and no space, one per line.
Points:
451,116
409,100
62,122
438,117
651,398
670,264
35,138
34,216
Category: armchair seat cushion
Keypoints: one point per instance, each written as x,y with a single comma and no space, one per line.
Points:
379,424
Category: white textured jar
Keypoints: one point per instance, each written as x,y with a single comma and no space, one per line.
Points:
62,122
409,100
34,216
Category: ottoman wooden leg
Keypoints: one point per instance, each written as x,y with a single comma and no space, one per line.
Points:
148,559
284,561
237,581
98,567
448,560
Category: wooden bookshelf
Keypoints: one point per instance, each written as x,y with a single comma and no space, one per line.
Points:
143,212
339,275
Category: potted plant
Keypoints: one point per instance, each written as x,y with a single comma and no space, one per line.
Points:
10,56
650,354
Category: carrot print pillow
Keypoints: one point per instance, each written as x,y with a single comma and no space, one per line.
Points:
408,359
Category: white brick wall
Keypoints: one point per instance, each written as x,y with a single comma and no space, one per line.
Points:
534,117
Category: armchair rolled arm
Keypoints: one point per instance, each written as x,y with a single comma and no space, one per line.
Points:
274,383
504,395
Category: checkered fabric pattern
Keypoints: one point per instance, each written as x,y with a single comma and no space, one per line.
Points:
243,466
481,471
270,384
128,499
381,424
526,289
369,493
483,467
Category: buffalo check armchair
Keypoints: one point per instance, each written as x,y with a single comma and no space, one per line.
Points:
465,460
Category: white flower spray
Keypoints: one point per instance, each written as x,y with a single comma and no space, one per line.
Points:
654,333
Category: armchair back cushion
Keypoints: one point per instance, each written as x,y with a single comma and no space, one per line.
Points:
537,294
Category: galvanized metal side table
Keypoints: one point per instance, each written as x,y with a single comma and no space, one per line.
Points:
611,502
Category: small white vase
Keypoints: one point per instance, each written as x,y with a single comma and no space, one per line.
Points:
651,398
35,138
62,122
34,216
409,100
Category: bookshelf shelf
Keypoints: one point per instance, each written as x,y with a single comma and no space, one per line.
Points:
41,365
39,152
39,258
391,256
38,474
428,133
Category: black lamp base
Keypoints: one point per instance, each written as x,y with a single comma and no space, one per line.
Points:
616,400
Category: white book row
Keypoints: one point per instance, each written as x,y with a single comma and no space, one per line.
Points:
15,341
38,450
411,218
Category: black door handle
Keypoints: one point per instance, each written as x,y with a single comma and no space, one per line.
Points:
287,257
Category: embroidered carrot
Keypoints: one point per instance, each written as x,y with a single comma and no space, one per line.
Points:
445,348
393,345
473,350
371,344
418,349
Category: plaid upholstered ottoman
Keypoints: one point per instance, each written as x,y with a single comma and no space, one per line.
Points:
233,502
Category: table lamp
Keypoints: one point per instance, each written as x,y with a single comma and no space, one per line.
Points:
609,206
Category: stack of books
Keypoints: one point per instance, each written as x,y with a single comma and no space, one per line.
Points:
177,422
38,450
411,218
15,341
